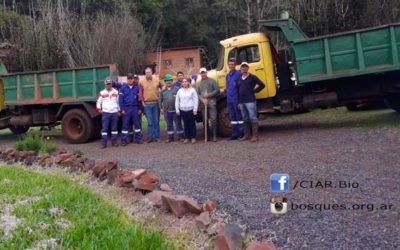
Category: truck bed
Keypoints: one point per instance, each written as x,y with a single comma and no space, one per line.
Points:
359,52
56,86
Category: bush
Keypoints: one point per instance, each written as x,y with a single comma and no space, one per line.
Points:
34,142
30,142
48,148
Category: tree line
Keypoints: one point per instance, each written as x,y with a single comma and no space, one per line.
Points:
47,34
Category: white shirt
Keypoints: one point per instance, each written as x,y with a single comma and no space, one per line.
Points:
108,101
186,99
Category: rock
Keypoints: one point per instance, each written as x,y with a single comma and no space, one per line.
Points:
176,206
145,186
254,245
191,204
112,176
138,173
99,167
181,205
165,187
88,165
203,220
155,198
127,176
60,151
25,154
69,162
229,237
112,165
209,206
62,157
30,160
148,177
10,154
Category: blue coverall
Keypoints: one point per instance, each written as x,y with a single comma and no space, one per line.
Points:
235,115
130,104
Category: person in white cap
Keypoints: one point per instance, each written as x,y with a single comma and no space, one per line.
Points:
208,91
249,85
107,104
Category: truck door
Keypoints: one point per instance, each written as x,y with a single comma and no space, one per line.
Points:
252,55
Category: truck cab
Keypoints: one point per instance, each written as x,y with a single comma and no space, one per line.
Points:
255,49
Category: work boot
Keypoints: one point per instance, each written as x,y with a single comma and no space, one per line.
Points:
254,127
247,131
214,132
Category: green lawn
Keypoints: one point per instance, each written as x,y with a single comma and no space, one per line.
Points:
93,222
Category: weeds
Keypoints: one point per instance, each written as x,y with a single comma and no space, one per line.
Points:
35,142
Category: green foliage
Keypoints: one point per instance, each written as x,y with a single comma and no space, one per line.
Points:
93,222
35,142
48,148
77,152
30,142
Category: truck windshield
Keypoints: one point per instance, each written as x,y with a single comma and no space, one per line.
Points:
221,56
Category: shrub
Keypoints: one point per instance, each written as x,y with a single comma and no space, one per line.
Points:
30,142
48,148
34,142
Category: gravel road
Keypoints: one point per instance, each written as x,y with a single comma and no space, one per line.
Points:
236,175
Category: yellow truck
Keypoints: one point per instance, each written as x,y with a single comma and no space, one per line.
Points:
340,69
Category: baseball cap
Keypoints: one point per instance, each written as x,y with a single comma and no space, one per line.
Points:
203,70
244,64
129,76
168,77
135,76
107,81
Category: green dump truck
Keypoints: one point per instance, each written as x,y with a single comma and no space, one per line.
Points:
47,98
341,69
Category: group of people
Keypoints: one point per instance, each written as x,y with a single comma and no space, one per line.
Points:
179,102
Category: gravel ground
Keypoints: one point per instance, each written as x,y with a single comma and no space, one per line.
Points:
236,175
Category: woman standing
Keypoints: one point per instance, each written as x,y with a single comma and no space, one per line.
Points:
186,104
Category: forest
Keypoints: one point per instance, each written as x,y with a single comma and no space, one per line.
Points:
45,34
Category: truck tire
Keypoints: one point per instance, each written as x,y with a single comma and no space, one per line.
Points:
393,102
77,126
224,124
19,130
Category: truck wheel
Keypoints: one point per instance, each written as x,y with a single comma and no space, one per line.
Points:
393,102
19,130
77,126
224,124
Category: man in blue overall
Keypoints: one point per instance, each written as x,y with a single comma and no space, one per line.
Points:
232,101
129,103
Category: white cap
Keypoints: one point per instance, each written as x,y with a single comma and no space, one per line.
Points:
203,70
244,64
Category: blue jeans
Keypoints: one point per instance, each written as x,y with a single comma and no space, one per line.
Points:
152,113
249,111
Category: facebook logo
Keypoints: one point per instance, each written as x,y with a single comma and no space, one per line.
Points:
279,183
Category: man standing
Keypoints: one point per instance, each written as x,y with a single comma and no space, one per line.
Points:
129,102
179,79
247,99
232,101
208,91
107,105
167,106
151,91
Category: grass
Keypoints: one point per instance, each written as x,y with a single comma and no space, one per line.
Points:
94,223
338,118
77,152
35,142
